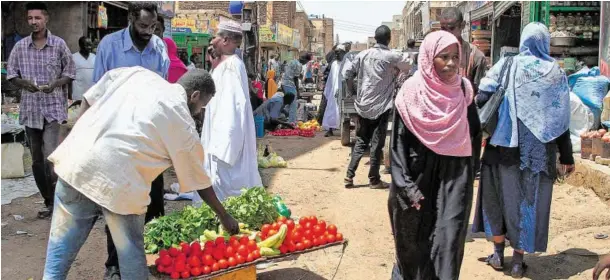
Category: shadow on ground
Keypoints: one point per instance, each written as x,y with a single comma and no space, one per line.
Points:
559,266
288,273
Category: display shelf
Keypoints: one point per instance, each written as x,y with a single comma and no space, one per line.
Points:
573,9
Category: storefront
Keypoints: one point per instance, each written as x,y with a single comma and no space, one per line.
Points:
480,31
604,49
506,29
575,30
193,32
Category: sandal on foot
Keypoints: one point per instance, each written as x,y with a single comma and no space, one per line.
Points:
349,183
495,262
518,270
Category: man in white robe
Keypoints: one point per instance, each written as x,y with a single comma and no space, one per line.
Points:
333,87
228,134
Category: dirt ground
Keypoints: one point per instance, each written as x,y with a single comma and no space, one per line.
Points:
312,184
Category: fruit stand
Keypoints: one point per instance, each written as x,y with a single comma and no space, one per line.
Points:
186,244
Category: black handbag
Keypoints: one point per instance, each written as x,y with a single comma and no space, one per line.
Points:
489,113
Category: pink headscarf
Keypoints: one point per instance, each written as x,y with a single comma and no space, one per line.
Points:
176,66
433,110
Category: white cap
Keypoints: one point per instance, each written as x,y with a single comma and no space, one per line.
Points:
229,25
340,47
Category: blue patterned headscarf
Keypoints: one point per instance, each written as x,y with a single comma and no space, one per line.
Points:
540,87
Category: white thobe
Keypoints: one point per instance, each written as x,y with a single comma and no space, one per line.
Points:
84,74
228,135
333,87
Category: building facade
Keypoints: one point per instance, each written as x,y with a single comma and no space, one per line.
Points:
323,35
305,27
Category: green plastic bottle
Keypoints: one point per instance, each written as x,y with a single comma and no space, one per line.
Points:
281,207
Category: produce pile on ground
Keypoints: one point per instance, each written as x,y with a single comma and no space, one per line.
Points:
254,207
269,159
304,129
602,133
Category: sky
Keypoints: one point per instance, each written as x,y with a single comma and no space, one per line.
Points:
355,20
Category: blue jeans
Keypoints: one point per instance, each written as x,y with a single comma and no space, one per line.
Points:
73,218
294,105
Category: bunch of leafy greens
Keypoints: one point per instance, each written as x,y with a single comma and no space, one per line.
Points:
254,207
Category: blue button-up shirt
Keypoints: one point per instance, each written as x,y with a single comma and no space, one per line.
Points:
117,50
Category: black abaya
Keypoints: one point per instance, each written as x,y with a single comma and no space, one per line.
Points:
430,241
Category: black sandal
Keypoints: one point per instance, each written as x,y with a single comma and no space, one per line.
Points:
349,183
518,270
495,262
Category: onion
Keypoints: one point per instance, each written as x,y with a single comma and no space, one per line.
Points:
602,131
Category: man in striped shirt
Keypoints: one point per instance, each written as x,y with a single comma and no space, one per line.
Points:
375,69
41,65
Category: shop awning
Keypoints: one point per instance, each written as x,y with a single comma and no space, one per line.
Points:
120,4
482,12
502,6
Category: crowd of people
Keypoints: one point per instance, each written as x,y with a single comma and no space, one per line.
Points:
137,87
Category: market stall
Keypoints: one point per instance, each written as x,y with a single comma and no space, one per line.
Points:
480,31
506,29
191,244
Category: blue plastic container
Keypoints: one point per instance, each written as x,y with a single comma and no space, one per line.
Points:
259,123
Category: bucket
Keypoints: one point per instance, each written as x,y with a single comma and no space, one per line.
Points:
259,124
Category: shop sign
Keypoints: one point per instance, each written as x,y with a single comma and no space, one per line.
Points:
284,35
296,39
266,34
195,23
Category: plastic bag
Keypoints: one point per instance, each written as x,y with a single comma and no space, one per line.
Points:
12,160
592,91
581,120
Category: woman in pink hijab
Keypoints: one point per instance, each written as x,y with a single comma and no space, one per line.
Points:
431,164
176,66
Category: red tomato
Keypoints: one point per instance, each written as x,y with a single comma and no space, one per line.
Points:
252,245
160,269
300,246
256,254
169,269
283,249
274,226
158,262
316,242
240,259
307,243
290,225
196,249
208,260
339,237
322,224
209,244
185,274
206,270
323,239
223,264
303,221
232,262
233,239
244,240
181,257
296,236
173,252
299,228
291,246
175,275
229,252
308,234
179,266
308,225
194,261
196,271
265,229
242,250
186,249
215,267
317,230
235,244
218,254
313,220
331,238
281,219
166,260
250,257
220,240
272,232
163,253
332,229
